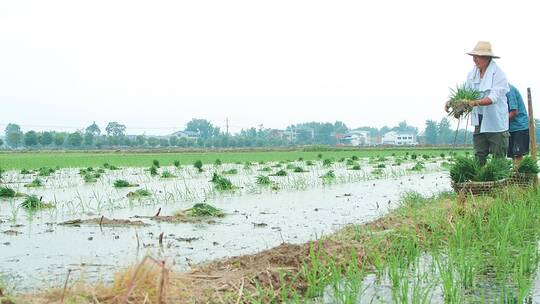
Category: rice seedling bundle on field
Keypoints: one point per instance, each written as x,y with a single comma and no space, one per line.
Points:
466,169
458,104
221,183
7,192
202,209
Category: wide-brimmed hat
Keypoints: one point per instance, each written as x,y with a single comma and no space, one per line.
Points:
483,48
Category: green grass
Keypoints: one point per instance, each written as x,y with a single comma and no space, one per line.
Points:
36,160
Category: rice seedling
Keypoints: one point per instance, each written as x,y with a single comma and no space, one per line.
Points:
155,163
280,173
121,183
167,174
380,166
319,156
327,162
139,193
290,167
265,169
425,156
309,163
176,163
263,180
464,169
356,167
45,171
494,170
218,162
329,175
232,171
153,171
221,183
419,166
298,169
204,210
6,192
35,183
414,156
91,177
278,165
198,165
458,103
25,172
528,165
32,203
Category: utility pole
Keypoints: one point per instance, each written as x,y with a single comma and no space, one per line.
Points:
227,125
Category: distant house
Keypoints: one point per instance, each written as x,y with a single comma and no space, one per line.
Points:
355,138
396,138
186,134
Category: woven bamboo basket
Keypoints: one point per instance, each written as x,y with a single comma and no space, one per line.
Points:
523,179
479,188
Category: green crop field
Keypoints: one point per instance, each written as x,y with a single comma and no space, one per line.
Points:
34,160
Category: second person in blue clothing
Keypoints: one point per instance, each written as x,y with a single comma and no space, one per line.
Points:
518,144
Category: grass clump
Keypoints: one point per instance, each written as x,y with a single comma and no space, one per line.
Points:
221,183
122,183
198,165
203,209
528,165
35,183
6,192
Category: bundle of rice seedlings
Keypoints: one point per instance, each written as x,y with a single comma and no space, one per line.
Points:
464,169
32,202
110,167
91,177
153,171
419,166
218,162
25,172
356,167
327,162
265,169
34,184
329,175
198,165
299,170
45,171
176,163
202,209
121,183
7,192
221,183
528,165
280,173
231,172
290,167
139,193
155,163
167,174
263,180
458,103
494,170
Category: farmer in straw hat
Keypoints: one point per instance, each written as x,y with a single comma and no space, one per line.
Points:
490,113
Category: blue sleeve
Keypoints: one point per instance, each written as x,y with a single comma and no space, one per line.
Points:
512,99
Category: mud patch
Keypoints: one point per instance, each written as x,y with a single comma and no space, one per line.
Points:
103,221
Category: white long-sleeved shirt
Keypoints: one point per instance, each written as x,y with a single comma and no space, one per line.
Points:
495,86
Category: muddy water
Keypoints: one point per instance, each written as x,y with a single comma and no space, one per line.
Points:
42,251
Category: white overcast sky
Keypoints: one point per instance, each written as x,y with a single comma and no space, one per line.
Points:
154,65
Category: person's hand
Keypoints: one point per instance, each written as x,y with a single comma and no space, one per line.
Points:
474,103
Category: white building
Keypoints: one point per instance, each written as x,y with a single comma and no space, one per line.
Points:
186,134
356,138
399,139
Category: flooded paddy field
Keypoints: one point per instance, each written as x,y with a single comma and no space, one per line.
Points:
91,228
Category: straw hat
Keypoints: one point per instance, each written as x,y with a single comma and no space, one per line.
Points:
482,48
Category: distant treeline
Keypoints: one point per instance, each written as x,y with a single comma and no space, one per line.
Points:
200,133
